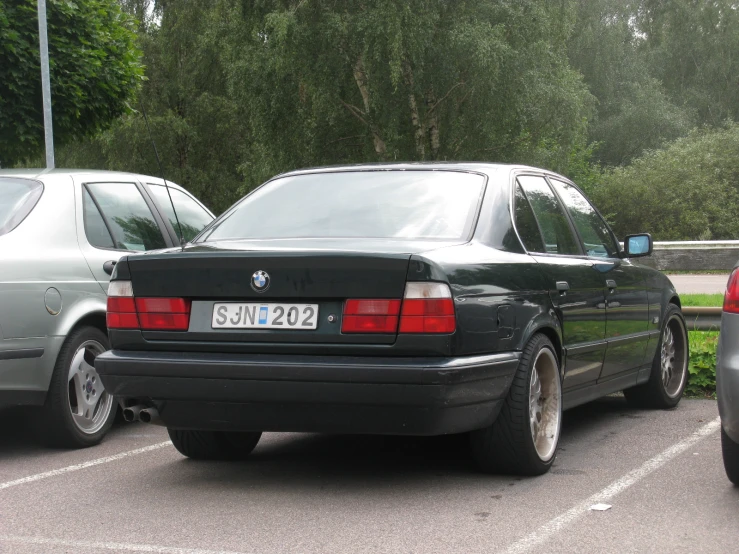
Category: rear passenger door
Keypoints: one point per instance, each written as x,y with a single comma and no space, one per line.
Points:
627,305
576,287
116,219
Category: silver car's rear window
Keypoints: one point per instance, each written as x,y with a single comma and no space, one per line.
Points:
17,198
429,205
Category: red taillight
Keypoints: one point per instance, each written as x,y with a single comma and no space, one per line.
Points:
433,315
151,314
163,314
121,312
163,305
426,308
164,322
731,296
370,316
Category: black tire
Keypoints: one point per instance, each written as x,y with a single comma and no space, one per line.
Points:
55,421
507,445
730,451
653,394
214,445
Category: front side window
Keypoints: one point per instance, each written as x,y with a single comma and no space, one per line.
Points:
193,218
428,205
556,230
593,230
129,223
17,198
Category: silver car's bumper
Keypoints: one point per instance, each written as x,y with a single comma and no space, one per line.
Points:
727,375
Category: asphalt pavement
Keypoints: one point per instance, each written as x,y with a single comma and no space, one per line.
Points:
699,284
659,471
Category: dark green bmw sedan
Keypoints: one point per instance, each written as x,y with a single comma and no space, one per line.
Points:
412,299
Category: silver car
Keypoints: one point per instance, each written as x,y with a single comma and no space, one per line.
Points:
61,233
727,377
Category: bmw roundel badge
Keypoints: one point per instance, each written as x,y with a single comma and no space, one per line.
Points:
260,281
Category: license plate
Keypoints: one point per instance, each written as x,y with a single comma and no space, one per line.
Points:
265,316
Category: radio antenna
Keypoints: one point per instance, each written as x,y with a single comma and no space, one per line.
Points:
161,173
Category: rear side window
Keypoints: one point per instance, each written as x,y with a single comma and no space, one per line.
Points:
556,230
95,227
193,218
526,225
17,198
127,221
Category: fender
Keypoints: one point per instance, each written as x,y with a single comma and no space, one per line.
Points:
546,321
83,307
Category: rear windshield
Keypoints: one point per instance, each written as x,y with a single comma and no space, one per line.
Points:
430,205
17,198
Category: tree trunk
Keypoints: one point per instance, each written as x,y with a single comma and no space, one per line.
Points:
433,123
360,77
419,134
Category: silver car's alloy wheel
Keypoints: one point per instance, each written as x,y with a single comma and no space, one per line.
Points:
674,357
89,404
545,398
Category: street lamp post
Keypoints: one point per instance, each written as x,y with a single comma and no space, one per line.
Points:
46,84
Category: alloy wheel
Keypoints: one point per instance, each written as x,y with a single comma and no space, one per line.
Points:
89,403
673,357
545,397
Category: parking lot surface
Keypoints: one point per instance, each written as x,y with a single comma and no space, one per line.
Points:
661,473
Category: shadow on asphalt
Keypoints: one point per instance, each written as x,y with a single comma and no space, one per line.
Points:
19,433
296,455
315,461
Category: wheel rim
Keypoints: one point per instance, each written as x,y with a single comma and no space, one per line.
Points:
88,402
545,412
674,356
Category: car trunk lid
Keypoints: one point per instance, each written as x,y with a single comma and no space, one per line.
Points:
315,275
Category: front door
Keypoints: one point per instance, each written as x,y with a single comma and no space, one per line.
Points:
627,306
575,285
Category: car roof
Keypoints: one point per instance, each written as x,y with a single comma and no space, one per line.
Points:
38,173
480,167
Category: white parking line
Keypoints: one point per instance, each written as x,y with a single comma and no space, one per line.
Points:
115,546
84,465
555,525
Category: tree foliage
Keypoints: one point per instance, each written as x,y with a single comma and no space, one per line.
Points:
238,91
688,191
94,65
327,82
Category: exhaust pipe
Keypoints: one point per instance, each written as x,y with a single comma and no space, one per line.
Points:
149,415
132,413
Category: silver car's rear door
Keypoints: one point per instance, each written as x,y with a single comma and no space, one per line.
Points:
114,218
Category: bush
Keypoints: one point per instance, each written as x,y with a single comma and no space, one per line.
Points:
688,191
702,366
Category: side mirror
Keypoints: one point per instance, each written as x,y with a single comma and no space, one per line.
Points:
636,246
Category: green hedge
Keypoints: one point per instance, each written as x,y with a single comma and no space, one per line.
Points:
702,367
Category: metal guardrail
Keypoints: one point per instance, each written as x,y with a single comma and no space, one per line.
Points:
693,255
702,318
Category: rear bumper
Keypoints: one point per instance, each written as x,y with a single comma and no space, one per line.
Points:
727,375
331,394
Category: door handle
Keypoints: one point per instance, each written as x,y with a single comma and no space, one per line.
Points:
563,287
611,284
108,266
